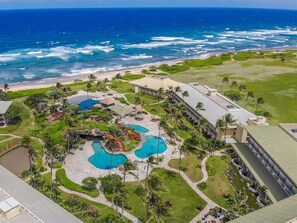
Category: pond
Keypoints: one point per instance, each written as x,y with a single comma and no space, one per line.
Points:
152,145
104,160
16,160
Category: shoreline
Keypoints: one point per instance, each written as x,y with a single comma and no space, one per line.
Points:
101,75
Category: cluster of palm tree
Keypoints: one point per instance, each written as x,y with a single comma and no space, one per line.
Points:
99,85
225,122
241,87
156,208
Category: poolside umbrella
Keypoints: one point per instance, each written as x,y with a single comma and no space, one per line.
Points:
139,116
108,102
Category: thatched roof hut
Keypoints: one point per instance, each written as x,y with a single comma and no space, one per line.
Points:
108,102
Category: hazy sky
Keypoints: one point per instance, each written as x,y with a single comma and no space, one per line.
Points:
282,4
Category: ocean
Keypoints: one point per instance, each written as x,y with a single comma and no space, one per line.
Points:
50,43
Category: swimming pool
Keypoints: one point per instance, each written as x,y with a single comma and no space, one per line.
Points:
150,147
85,105
104,160
138,128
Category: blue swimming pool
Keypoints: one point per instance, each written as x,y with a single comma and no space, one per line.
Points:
138,128
104,160
85,105
150,147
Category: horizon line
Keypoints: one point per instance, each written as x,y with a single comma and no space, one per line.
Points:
146,7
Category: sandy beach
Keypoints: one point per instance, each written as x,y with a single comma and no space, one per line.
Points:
100,75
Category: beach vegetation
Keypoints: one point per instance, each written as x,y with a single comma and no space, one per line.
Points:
176,68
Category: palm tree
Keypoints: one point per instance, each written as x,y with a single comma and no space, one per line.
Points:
89,86
228,120
177,89
128,166
158,212
110,144
58,86
92,77
118,76
185,94
137,100
260,101
6,87
242,87
32,154
233,84
105,81
162,124
64,103
250,94
119,194
154,184
200,107
224,80
149,161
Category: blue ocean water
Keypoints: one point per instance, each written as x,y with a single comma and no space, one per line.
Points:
38,44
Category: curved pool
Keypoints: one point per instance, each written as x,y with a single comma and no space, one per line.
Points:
150,147
138,128
85,105
104,160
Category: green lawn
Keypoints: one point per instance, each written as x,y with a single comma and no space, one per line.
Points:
131,77
104,211
121,86
8,142
67,183
4,137
175,189
192,165
25,125
146,99
218,184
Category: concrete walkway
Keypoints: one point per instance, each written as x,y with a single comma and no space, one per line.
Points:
102,200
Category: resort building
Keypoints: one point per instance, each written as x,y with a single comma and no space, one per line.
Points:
4,105
215,107
151,84
284,211
268,156
19,202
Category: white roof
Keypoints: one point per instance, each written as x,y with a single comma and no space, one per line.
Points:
4,105
38,204
8,204
215,106
155,83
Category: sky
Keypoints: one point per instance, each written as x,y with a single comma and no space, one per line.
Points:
23,4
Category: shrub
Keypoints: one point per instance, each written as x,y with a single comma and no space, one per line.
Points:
89,183
108,182
13,115
202,186
183,168
233,95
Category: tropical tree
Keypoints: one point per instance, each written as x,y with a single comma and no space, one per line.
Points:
105,82
249,95
224,80
118,76
6,87
58,86
128,166
158,211
199,107
25,141
32,154
89,86
150,161
233,84
177,89
260,101
185,94
137,100
119,194
162,124
242,87
228,120
92,77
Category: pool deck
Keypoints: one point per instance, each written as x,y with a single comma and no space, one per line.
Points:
78,167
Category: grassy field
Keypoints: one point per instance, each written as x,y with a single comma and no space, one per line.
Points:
192,165
218,184
266,75
67,183
121,86
25,125
146,99
104,211
175,189
4,137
